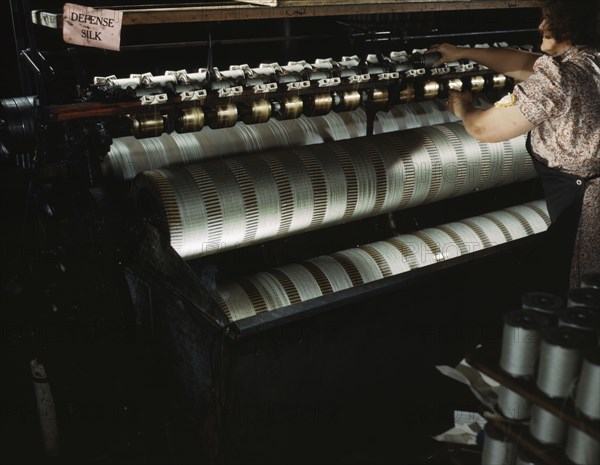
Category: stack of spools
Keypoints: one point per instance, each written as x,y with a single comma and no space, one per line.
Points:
555,347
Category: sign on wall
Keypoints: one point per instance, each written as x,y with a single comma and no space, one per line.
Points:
91,27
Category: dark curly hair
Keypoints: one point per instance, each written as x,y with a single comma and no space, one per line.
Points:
576,21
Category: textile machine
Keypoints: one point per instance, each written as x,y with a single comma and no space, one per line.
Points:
278,200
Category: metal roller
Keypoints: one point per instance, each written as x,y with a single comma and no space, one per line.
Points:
455,84
499,81
347,101
256,112
190,120
294,283
289,108
477,83
18,126
379,97
143,126
255,198
318,105
407,94
431,89
129,156
222,116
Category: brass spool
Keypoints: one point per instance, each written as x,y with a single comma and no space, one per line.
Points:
477,83
455,84
499,81
290,108
258,112
407,94
143,126
223,116
349,101
379,96
318,105
190,120
431,89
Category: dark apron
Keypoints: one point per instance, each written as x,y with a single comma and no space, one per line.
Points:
564,197
563,191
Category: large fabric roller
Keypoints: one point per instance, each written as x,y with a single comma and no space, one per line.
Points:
210,207
294,283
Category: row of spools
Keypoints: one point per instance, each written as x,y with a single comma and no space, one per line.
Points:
226,114
555,349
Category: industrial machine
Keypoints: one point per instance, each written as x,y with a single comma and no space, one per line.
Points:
272,202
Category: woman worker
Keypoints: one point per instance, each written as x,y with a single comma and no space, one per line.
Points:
557,102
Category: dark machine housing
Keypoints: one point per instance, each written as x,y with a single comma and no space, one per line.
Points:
102,142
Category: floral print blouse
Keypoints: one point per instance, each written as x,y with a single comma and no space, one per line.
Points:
562,99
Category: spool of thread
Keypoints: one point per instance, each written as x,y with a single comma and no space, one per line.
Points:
348,101
318,105
407,94
587,399
455,84
581,318
546,427
512,405
591,280
477,83
582,449
499,81
560,359
222,116
497,448
520,342
543,302
289,108
143,126
431,89
190,120
525,458
584,297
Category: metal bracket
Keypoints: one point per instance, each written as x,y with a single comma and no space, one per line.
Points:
154,99
193,95
265,88
330,82
231,91
298,85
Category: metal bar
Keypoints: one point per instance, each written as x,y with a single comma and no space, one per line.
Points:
25,54
202,43
20,34
286,9
386,36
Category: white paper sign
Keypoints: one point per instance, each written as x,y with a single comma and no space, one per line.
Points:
92,27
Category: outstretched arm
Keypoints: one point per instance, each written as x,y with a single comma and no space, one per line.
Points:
517,64
496,124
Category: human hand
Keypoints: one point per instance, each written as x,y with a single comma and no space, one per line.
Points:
449,53
459,102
